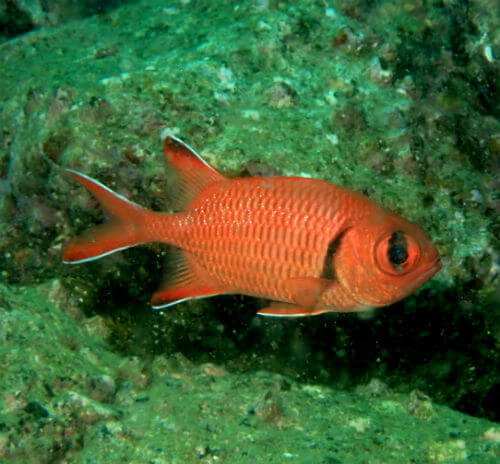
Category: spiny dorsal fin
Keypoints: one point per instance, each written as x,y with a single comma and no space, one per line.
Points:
193,173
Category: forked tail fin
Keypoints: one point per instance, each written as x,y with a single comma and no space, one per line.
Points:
126,227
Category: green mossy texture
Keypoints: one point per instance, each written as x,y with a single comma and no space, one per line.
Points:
397,100
66,397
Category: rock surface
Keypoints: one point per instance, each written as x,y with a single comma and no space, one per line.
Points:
65,396
395,100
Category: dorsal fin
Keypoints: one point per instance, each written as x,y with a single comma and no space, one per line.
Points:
193,173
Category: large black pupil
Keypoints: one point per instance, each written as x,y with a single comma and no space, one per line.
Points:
397,251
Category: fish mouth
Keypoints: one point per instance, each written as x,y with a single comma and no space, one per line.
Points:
431,270
435,266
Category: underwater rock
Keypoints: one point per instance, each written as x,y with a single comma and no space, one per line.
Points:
420,405
282,95
280,91
83,408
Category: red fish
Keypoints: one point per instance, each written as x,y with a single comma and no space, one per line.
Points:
308,245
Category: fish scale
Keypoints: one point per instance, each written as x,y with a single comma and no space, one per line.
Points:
292,227
309,245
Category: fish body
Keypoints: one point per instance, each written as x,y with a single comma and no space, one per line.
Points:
308,245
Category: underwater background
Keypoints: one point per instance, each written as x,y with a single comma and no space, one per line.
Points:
399,100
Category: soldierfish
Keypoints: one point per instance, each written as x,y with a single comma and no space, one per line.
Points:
308,245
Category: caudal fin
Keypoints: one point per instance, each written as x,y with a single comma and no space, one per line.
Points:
125,228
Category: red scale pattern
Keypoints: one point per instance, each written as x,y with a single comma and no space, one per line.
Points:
251,235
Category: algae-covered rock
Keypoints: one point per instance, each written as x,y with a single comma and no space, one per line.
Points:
397,100
20,16
66,397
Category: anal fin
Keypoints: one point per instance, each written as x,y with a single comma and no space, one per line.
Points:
182,283
172,295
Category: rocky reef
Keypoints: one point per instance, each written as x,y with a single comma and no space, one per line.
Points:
397,100
65,396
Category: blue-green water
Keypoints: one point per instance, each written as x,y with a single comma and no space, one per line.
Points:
397,100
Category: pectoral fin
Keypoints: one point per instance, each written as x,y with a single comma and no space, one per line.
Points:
306,292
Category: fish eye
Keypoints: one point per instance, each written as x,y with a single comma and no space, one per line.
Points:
397,253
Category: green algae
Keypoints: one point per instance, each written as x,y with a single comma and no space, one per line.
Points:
265,85
66,397
257,88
